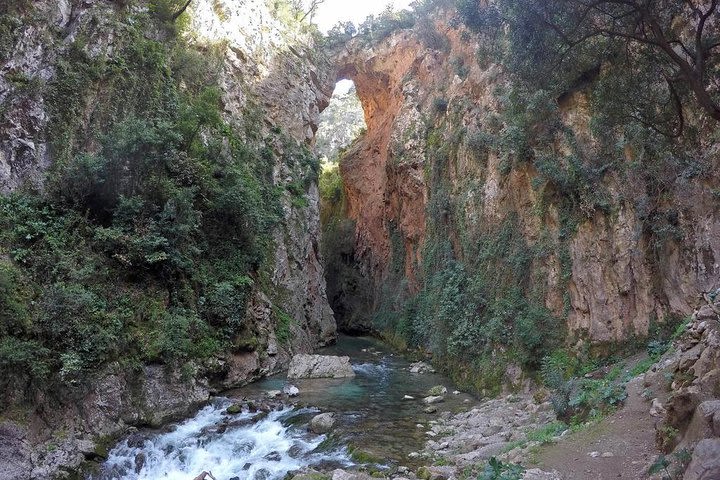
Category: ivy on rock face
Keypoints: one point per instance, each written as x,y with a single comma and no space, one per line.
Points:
155,222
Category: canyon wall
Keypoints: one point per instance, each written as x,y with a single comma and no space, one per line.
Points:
272,83
606,251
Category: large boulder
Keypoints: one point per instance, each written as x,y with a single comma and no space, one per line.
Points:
322,423
705,463
320,366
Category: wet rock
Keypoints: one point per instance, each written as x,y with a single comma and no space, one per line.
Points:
273,393
234,409
322,423
136,440
705,463
140,459
408,397
421,367
262,474
295,451
430,409
273,457
320,366
291,390
433,399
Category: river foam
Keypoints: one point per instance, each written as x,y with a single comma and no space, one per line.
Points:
241,449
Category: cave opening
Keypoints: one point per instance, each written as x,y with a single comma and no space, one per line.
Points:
341,126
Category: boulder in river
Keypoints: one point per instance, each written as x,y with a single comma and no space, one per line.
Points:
320,366
433,399
291,390
322,423
437,390
421,367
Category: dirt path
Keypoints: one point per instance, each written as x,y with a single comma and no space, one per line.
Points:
624,443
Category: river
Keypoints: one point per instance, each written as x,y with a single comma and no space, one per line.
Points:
373,416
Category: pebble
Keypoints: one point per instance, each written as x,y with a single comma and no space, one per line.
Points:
408,397
594,454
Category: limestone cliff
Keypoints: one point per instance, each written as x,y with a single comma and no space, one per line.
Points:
273,84
612,245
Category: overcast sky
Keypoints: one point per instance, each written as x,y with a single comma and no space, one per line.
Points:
334,11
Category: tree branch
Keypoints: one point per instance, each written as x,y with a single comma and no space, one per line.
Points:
177,14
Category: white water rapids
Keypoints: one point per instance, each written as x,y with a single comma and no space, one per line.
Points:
245,450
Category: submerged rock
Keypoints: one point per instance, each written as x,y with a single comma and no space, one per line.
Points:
322,423
320,366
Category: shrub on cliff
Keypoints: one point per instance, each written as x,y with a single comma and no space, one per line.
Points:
155,220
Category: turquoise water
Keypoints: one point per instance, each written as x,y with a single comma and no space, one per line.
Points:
372,416
371,411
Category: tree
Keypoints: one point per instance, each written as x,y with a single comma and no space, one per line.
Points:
678,39
312,8
182,9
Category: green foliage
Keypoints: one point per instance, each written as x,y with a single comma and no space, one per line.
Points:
497,470
656,348
577,397
14,300
440,105
282,329
348,290
155,222
10,24
376,28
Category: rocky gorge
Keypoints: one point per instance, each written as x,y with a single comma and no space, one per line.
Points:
528,229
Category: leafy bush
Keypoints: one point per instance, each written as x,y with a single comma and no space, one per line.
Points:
440,105
156,219
497,470
576,397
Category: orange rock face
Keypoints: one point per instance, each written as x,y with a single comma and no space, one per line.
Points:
615,275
